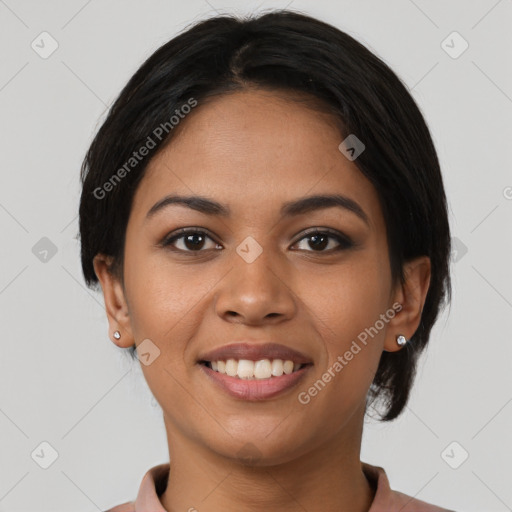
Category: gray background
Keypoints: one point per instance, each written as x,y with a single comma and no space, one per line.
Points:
62,381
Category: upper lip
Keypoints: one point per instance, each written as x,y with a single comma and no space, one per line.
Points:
255,352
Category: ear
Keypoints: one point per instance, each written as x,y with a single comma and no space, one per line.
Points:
411,295
116,305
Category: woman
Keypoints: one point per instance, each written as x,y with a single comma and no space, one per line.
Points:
264,211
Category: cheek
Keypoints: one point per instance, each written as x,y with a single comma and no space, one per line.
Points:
347,307
156,297
351,296
164,307
154,286
343,315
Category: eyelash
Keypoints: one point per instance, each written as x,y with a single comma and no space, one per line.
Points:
344,241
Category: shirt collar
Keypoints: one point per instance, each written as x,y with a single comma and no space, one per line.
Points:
155,480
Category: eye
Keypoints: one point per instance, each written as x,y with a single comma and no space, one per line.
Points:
320,239
195,240
191,240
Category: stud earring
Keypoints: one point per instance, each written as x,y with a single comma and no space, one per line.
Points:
401,340
117,335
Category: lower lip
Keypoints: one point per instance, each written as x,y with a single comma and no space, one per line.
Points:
255,389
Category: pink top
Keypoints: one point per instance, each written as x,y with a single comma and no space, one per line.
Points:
386,500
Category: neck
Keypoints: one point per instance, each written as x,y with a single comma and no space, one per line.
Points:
327,476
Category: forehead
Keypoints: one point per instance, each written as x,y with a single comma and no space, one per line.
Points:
255,148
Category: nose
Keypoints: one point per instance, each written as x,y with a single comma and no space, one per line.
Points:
256,293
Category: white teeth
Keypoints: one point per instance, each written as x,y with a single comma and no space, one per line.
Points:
262,369
288,367
277,367
231,367
245,369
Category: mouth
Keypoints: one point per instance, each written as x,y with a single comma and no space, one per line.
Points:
254,370
249,371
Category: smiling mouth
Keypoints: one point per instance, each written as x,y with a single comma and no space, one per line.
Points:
246,369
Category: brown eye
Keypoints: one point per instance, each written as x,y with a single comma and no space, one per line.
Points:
190,241
320,240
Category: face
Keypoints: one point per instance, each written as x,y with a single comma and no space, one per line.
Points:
255,270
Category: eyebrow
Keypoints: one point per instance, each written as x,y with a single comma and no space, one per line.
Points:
291,208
